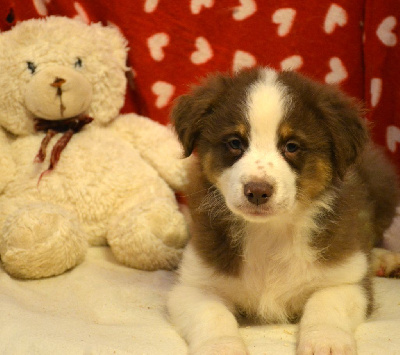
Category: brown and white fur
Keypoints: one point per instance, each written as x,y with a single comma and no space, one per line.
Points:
287,199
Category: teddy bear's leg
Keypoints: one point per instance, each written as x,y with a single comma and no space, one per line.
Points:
150,236
41,240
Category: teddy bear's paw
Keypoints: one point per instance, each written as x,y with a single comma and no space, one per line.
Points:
167,223
150,237
144,252
41,240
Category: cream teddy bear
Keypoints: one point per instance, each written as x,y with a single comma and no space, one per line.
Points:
73,171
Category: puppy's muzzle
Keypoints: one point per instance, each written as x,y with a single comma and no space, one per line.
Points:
258,193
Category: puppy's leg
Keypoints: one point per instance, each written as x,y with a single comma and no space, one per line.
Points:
329,320
205,322
385,263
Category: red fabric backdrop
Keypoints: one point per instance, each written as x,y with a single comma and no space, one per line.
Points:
354,44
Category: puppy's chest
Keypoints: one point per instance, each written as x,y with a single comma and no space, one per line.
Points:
279,273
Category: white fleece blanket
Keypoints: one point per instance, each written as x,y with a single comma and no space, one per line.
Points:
101,307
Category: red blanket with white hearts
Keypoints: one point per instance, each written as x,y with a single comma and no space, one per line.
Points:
355,44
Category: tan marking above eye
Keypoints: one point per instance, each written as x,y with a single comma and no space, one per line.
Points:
242,130
286,131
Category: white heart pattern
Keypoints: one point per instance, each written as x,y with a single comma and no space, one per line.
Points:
156,44
150,6
203,51
164,92
336,16
284,18
376,91
242,59
392,138
385,31
338,71
81,13
41,6
244,10
294,62
197,5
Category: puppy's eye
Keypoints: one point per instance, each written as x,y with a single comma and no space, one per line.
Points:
31,67
235,146
78,63
291,148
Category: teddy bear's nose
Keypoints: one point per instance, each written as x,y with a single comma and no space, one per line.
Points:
58,82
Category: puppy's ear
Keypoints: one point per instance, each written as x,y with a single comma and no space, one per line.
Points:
186,120
343,118
190,111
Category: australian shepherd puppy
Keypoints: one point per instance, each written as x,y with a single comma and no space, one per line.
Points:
288,198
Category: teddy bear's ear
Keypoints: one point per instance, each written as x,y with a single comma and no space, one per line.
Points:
113,36
108,72
13,115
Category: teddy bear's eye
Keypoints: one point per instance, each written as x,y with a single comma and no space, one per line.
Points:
78,63
31,67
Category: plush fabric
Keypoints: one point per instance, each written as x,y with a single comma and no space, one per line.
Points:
103,307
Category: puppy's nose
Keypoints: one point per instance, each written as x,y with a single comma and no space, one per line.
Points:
258,193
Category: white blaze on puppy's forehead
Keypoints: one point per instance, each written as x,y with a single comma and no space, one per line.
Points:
265,103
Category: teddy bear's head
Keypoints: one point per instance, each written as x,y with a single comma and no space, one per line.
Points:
58,68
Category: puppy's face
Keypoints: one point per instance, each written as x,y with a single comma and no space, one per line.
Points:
269,140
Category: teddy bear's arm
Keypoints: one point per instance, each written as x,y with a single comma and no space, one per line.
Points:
7,164
158,145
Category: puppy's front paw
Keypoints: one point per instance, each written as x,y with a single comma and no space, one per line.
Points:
221,346
326,340
386,263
